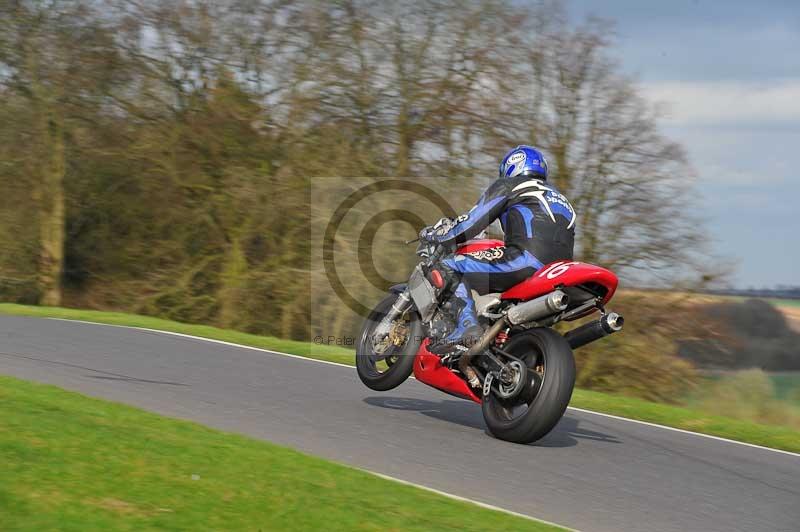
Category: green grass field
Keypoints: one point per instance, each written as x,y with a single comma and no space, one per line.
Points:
74,463
684,418
785,302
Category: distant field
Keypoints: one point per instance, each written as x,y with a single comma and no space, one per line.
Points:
787,386
791,310
785,302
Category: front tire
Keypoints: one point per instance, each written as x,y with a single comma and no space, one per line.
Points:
541,404
397,366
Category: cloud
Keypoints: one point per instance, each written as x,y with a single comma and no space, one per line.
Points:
707,103
717,173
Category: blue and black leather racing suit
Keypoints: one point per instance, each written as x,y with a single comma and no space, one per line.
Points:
539,226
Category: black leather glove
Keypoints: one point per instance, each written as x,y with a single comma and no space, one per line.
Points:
426,234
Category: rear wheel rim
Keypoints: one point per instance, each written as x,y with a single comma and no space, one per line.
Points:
510,410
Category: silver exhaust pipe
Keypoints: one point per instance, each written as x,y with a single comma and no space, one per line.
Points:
538,308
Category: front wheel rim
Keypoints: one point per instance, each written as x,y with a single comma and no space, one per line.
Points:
389,357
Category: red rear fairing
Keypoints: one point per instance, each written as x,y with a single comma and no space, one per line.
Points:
552,276
564,273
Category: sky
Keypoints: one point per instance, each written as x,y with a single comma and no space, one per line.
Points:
727,74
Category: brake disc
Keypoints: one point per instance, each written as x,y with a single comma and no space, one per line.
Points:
397,337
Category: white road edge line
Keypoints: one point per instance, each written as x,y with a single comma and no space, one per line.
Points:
231,344
464,499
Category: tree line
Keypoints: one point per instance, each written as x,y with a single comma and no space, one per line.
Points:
168,158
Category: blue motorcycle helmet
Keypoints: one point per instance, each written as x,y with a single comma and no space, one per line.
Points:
524,161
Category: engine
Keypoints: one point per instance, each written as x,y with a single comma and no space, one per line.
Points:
442,323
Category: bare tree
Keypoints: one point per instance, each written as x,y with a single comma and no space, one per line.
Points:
630,185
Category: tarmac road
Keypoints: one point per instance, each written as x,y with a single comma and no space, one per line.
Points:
591,473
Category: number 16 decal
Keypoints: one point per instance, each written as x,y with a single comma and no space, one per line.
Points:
556,269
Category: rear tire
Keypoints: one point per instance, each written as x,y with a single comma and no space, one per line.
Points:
401,364
550,395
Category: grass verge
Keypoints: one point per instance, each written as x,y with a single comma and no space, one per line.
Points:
787,386
683,418
694,420
75,463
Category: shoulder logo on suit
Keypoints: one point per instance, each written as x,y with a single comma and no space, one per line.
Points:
536,189
546,195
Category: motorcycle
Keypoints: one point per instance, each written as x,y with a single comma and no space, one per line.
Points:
521,371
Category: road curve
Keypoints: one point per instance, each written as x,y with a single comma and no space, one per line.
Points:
592,473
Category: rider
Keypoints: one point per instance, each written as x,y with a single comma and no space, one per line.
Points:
539,226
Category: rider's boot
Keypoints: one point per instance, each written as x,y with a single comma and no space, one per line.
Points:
468,331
